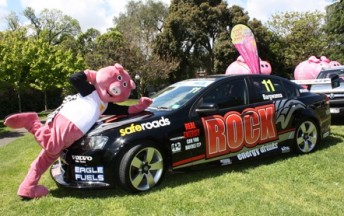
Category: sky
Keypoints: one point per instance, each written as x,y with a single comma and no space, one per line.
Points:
99,14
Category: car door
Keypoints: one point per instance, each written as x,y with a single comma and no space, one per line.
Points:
280,97
218,115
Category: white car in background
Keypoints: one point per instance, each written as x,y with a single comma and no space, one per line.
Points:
336,95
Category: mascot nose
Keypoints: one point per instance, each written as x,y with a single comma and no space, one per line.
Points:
115,91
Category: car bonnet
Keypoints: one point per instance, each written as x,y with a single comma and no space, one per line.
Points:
123,121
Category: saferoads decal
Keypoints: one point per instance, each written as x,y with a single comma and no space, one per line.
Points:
235,130
162,122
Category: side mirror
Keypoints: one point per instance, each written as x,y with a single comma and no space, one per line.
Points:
335,80
207,109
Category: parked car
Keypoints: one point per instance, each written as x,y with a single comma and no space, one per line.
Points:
336,95
221,119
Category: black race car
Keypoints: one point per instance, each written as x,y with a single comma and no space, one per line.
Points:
219,119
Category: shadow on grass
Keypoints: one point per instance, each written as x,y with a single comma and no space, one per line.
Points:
3,128
195,174
337,120
12,134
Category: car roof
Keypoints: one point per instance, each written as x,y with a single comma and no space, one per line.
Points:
333,68
216,77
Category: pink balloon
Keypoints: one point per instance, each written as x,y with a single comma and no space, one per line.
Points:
240,67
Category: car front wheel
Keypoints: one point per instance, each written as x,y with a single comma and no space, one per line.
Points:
141,168
306,137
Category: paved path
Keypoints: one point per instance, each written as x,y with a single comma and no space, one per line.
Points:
8,137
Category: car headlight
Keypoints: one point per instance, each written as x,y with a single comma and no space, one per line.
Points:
97,142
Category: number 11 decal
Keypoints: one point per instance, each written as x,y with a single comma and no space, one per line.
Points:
268,85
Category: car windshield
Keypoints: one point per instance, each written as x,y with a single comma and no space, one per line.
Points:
176,95
327,74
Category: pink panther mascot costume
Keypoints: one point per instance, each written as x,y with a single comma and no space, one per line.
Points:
97,93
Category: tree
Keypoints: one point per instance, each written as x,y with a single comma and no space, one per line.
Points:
191,32
140,25
14,66
87,41
52,25
300,36
224,51
334,27
51,66
13,21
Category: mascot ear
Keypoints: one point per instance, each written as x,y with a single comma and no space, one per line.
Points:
119,67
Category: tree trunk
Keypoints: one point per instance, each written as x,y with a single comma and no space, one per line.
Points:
19,101
45,101
16,89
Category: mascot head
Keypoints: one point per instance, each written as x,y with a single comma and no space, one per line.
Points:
113,84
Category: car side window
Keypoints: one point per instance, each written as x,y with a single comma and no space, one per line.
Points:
228,95
268,88
290,89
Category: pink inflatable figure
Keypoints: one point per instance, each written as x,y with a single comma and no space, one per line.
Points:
324,60
335,64
310,68
265,67
328,63
97,93
240,67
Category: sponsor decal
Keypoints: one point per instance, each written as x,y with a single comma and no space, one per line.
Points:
162,122
81,158
192,143
226,161
176,147
272,96
177,138
89,173
235,130
190,126
285,149
268,147
248,154
193,146
304,90
256,152
191,130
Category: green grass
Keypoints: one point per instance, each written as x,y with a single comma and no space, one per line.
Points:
292,184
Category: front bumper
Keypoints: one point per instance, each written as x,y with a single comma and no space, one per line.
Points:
58,174
336,110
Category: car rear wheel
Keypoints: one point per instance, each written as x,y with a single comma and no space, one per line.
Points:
141,168
306,137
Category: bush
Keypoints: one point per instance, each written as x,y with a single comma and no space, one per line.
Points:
31,100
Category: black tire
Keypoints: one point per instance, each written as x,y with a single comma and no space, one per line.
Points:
306,136
141,168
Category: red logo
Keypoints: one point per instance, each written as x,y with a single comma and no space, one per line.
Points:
235,130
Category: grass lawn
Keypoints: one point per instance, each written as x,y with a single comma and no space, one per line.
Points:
310,184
